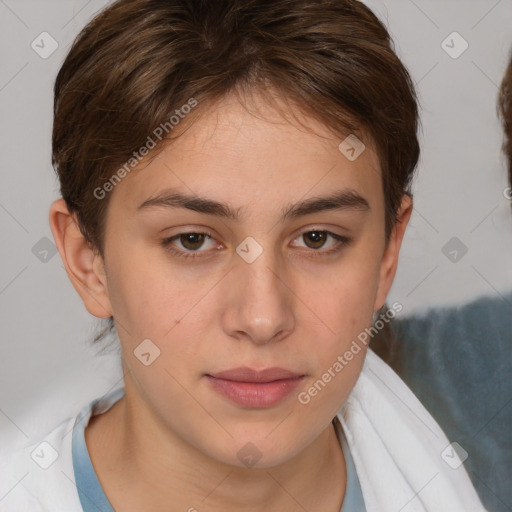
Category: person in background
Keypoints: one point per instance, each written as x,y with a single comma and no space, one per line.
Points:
458,361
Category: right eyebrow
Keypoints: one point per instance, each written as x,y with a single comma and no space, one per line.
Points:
340,200
171,199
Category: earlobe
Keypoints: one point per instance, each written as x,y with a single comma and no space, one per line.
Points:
390,258
84,266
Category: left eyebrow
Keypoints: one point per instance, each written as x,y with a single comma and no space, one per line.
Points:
340,200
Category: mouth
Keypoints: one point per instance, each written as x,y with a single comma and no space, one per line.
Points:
255,389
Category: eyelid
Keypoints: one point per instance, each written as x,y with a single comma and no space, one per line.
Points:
342,242
167,242
319,227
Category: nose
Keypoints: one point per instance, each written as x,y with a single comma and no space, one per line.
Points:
259,302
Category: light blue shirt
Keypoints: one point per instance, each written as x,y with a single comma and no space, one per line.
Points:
93,498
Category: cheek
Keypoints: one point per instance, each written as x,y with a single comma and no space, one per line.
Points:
138,300
346,308
151,296
346,298
345,305
175,311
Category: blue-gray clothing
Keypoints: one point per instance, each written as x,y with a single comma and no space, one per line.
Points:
458,361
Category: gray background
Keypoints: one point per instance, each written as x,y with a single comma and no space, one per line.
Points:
48,369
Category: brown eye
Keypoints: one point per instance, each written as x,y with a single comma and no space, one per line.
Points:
190,244
315,239
320,242
192,241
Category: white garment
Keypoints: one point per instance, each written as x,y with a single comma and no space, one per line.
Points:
402,457
396,446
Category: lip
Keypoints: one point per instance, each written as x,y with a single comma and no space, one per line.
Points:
255,388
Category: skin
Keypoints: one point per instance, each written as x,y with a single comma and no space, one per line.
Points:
294,307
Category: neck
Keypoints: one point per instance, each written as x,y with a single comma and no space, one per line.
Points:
125,443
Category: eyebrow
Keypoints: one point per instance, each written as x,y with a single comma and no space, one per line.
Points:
339,200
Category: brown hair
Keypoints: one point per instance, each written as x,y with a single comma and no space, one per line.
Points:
505,109
139,61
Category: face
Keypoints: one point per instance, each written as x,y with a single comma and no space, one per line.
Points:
220,254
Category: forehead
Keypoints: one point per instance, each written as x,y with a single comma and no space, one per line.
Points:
252,154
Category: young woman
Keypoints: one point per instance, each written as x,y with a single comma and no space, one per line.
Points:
235,188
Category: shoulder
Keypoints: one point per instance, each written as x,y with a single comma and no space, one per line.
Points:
38,476
466,325
458,362
380,391
396,444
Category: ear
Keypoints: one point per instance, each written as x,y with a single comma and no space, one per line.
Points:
390,257
84,266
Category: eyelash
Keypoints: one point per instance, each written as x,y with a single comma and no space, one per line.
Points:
343,241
